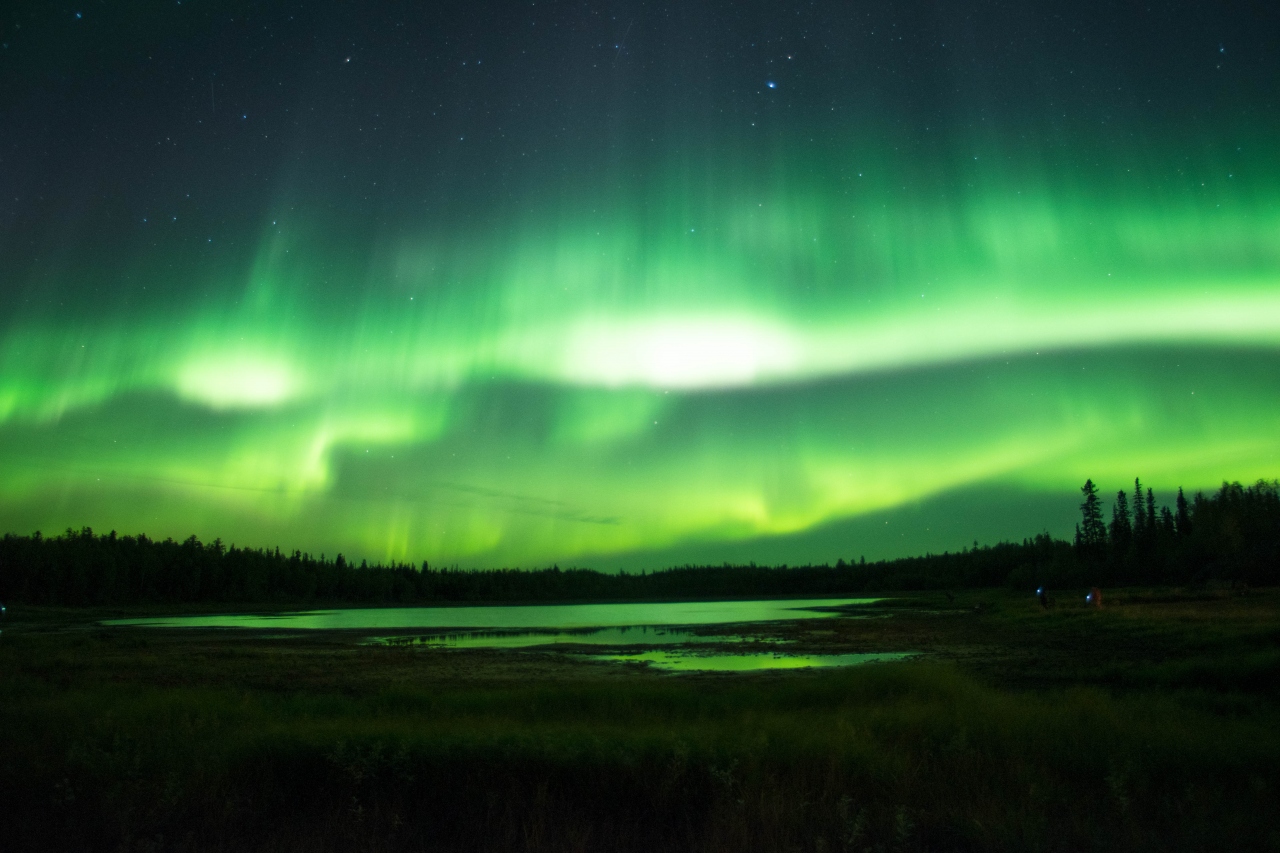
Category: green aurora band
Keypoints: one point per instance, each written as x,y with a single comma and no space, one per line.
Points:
736,353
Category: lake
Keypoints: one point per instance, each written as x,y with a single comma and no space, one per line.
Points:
663,635
520,616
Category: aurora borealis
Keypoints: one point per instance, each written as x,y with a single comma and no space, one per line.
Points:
629,284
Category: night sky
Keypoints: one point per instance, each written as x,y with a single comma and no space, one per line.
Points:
631,284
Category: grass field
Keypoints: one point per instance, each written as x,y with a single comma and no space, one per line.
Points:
1153,724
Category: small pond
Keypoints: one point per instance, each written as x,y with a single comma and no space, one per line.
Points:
632,635
677,636
521,616
684,660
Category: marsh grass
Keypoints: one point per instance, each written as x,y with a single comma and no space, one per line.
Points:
154,741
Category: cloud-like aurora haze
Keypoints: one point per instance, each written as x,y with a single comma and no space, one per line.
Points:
666,355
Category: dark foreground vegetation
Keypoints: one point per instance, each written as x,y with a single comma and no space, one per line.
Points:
1152,724
1233,534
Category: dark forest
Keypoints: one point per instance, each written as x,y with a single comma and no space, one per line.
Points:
1230,535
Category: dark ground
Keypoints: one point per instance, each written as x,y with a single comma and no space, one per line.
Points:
1151,724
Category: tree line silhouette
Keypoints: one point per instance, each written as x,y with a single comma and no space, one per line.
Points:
1233,535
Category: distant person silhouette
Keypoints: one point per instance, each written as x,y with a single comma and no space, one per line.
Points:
1094,597
1044,598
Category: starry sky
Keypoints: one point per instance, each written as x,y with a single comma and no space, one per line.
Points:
630,284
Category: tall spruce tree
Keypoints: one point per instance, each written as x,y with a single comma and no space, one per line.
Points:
1121,526
1139,517
1093,532
1182,516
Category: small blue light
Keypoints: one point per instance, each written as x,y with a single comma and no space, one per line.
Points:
771,84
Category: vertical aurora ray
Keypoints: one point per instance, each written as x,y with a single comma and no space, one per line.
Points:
667,341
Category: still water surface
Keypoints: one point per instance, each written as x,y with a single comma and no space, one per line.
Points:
680,660
545,616
662,635
631,635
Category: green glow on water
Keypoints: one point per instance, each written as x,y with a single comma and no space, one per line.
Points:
660,629
692,661
557,617
606,637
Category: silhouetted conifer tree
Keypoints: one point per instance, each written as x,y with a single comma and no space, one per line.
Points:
1139,517
1231,534
1121,525
1092,531
1183,515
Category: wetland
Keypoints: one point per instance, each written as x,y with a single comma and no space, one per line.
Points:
986,722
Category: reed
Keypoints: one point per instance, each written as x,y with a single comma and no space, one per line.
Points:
119,740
